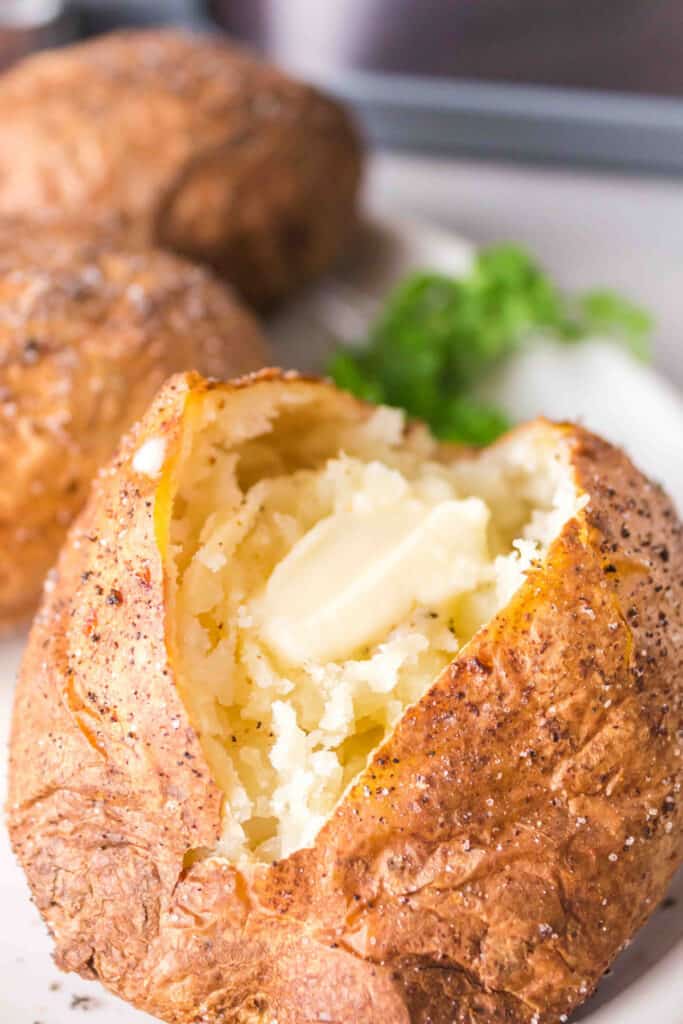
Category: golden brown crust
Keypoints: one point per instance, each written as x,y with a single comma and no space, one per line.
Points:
187,142
504,844
87,336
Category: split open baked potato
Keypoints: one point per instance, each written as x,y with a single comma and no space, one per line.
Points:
87,336
187,142
322,721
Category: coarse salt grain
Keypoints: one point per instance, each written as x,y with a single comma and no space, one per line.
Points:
149,458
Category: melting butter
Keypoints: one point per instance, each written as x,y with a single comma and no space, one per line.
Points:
362,570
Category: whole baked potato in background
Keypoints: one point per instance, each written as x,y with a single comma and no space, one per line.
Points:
87,336
186,142
489,758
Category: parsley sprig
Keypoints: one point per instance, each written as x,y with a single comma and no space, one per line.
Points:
438,337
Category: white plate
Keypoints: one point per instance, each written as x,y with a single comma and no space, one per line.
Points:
643,413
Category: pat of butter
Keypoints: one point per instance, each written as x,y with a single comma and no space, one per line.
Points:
358,573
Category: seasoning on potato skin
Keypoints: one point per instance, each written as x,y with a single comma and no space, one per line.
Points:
87,335
548,745
160,137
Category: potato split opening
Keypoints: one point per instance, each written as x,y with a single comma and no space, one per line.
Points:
328,564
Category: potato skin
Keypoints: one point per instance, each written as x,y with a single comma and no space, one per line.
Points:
87,336
507,840
187,142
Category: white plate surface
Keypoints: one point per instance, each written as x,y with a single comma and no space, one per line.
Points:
596,383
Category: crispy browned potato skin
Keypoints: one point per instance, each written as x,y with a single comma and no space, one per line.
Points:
87,337
188,142
482,869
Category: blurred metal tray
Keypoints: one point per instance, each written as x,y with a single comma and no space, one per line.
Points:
598,83
516,121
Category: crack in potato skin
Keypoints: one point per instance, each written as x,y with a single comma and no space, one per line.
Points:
506,841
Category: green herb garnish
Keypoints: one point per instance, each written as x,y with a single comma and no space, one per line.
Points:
439,337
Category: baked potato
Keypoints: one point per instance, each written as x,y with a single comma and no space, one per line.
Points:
322,721
87,336
186,142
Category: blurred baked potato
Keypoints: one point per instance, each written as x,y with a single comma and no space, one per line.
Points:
322,722
87,336
186,142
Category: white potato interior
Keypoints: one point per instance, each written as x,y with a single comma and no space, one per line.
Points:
326,571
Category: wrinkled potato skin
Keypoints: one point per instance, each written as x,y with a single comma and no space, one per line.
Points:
163,138
87,337
466,877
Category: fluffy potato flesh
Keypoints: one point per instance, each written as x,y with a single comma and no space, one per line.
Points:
325,573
